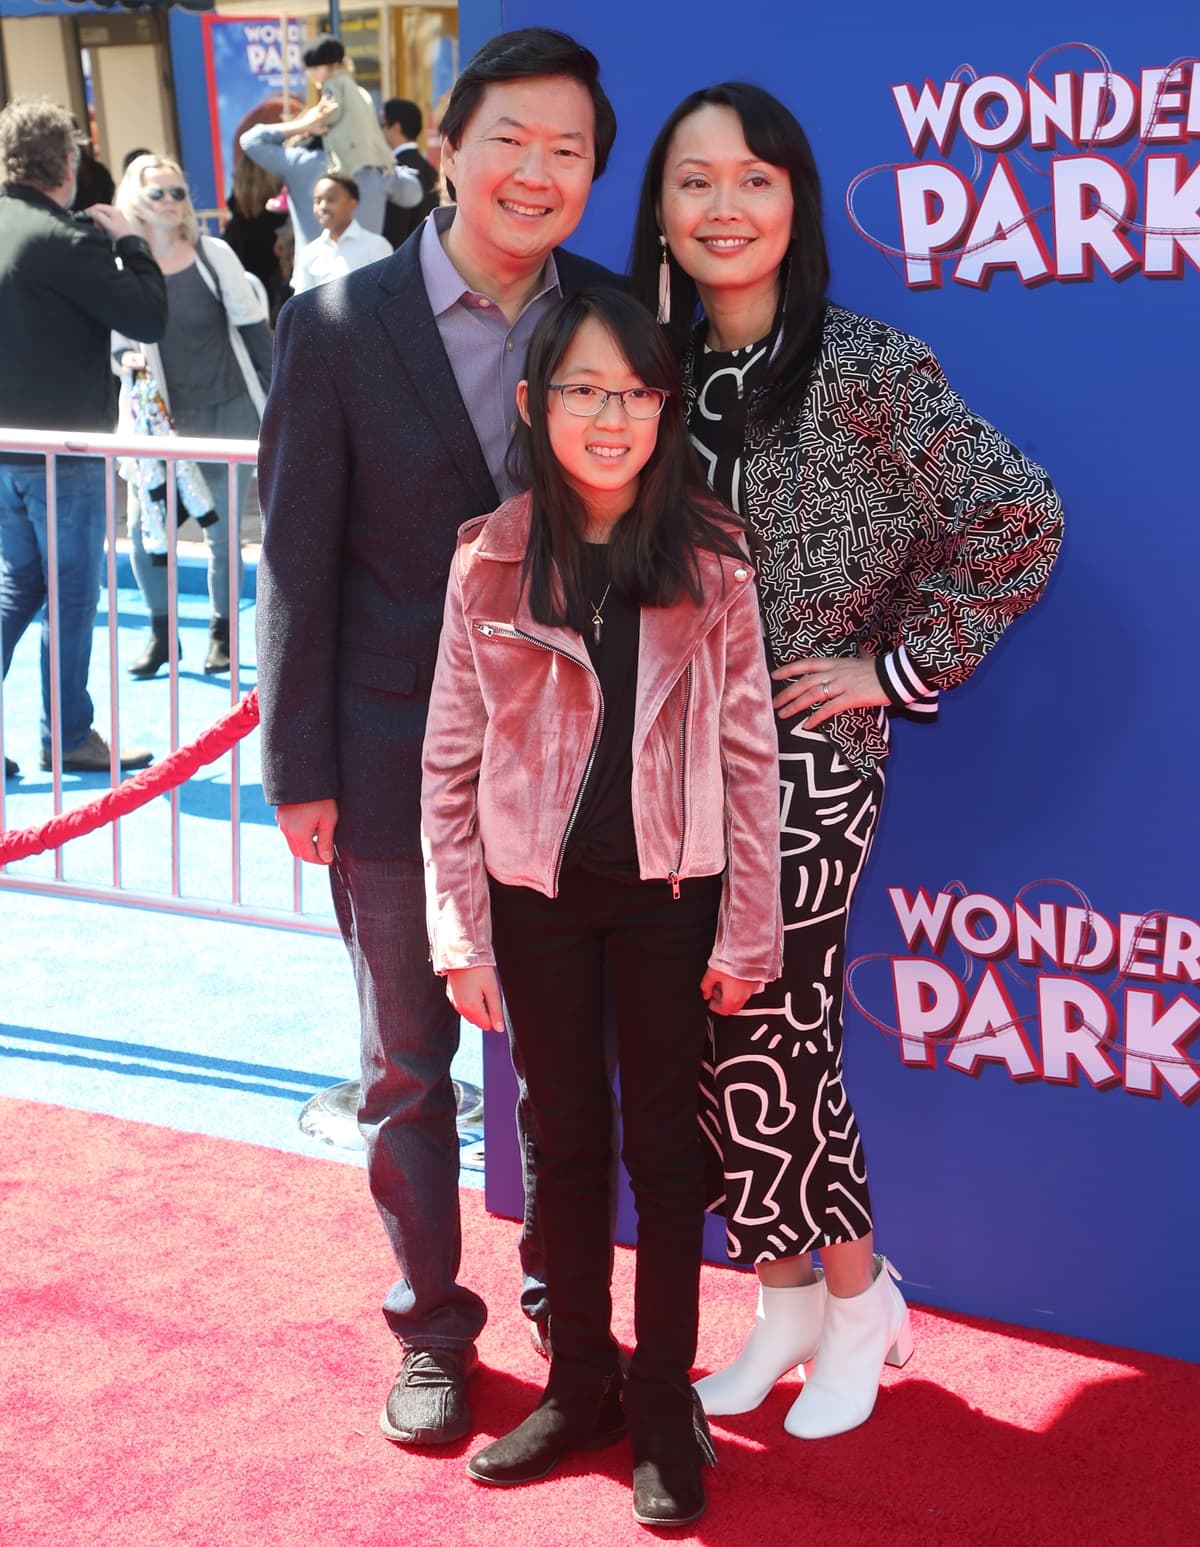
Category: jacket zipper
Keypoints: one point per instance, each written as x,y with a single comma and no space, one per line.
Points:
673,875
489,630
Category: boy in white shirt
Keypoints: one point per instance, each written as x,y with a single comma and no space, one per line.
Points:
343,245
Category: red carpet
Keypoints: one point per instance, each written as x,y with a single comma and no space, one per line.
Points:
191,1352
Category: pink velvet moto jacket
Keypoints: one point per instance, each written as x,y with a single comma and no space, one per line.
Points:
514,718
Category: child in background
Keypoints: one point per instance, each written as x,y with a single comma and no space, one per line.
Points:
345,116
600,787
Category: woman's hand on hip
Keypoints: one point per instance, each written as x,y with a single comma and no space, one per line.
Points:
724,993
827,687
475,994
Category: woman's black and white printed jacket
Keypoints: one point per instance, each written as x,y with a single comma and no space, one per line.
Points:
887,517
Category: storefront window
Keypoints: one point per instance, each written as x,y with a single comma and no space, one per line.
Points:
360,34
403,51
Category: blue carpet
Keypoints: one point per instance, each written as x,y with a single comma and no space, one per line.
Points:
197,1024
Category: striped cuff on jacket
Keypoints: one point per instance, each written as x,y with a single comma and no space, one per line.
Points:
902,683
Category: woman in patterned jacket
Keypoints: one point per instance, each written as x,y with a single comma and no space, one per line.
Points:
896,535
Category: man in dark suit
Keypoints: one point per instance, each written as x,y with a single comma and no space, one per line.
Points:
65,284
402,122
390,412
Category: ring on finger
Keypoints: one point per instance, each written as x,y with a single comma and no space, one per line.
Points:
826,687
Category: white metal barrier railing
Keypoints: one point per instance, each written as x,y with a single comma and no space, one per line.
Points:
234,454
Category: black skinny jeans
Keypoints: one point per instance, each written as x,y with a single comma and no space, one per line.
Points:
551,954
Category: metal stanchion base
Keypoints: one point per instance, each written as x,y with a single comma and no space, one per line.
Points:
468,1100
332,1117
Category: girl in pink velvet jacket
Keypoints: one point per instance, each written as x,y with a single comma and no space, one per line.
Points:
600,787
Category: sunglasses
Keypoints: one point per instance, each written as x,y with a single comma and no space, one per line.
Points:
157,195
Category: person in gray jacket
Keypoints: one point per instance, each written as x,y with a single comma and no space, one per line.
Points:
62,289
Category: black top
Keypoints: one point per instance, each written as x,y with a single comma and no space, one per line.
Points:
602,839
725,379
61,294
399,224
93,182
197,357
252,237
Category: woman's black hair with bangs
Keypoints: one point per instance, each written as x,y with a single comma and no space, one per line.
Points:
774,135
653,546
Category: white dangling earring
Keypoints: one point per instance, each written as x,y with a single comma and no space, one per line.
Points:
664,284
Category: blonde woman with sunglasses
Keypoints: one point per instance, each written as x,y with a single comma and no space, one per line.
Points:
211,368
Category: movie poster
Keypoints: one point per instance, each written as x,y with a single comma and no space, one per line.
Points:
1085,167
246,71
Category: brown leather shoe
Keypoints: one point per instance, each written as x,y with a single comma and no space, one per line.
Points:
92,756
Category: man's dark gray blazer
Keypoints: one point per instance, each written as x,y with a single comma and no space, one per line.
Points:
368,465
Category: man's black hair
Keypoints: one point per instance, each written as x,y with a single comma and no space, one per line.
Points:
405,116
530,53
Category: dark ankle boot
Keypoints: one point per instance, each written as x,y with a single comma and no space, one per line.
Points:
669,1436
217,658
577,1412
156,650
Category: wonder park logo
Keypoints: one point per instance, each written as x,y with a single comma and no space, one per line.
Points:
1049,990
1066,174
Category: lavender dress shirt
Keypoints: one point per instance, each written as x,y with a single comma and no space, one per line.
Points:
486,355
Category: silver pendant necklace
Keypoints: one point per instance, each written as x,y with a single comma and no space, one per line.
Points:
598,613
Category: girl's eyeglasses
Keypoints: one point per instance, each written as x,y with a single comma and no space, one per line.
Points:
586,402
156,195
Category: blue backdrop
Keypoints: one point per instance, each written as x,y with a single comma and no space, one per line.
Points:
1042,1172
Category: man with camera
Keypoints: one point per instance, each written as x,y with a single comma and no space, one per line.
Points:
66,282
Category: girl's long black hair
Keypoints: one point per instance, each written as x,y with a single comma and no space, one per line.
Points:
774,135
652,549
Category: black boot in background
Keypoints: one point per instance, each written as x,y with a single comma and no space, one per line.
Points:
156,650
217,658
669,1436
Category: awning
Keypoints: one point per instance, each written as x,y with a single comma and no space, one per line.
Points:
313,7
139,5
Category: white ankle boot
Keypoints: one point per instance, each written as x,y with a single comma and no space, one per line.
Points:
860,1336
786,1331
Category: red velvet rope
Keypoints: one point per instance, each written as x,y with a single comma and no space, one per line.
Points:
135,792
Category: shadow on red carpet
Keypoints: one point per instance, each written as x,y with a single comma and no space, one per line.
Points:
191,1352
